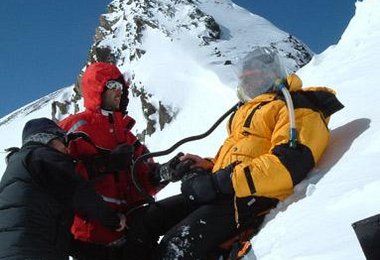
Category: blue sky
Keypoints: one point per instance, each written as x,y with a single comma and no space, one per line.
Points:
44,43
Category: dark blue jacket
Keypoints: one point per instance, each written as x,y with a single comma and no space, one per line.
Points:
39,193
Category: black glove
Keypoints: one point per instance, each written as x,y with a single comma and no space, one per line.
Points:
120,158
202,186
173,170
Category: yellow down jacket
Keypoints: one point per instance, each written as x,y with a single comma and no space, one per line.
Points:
259,140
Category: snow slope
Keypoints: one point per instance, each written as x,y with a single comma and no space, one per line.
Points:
345,185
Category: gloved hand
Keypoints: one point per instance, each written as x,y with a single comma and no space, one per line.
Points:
121,157
203,187
173,170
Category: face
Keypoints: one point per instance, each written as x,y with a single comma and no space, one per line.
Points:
111,99
254,83
58,145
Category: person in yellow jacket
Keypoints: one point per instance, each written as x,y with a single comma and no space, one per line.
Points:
275,138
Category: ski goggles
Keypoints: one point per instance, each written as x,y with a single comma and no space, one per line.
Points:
114,85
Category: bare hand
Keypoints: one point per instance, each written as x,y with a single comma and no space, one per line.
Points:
199,162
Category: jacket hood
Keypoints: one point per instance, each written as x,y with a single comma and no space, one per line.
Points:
94,80
294,82
41,130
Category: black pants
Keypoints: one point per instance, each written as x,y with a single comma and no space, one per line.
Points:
188,231
88,251
200,232
147,225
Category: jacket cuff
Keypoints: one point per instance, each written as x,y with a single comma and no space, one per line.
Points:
223,182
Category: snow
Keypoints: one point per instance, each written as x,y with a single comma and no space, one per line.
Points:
315,222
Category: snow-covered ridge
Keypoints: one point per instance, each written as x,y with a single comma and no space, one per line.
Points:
122,29
30,108
211,35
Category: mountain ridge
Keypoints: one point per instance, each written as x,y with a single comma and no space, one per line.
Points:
123,32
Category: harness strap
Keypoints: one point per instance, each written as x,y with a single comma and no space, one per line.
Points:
248,176
248,120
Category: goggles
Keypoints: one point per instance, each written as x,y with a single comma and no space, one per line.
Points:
114,85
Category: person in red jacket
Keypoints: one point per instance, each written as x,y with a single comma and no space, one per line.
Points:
104,147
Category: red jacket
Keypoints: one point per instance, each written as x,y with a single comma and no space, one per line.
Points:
104,131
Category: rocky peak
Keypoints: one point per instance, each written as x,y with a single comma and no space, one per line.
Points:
119,35
119,40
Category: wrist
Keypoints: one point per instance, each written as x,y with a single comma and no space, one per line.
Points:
207,164
156,176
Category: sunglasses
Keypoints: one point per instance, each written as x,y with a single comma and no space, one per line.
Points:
114,85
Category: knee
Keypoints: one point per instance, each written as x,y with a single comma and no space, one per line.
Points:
180,245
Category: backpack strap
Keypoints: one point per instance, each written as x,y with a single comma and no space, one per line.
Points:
320,101
248,120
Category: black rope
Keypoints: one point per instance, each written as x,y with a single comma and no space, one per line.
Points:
135,179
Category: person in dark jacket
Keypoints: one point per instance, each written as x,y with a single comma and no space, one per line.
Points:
39,193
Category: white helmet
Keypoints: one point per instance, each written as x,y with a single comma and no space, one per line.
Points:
258,71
